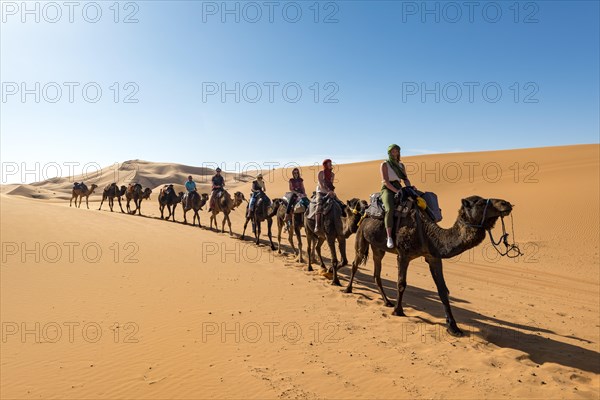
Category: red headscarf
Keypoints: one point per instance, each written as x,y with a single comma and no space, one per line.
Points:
327,172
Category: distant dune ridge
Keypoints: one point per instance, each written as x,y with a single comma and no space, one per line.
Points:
533,326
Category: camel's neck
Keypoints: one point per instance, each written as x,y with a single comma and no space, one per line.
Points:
453,241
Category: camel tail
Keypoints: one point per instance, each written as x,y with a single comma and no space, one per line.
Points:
362,250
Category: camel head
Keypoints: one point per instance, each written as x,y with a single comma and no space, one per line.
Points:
204,197
94,186
355,210
238,198
483,213
146,194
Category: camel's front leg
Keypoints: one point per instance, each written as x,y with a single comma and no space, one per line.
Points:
291,231
244,231
86,202
120,205
279,228
269,226
228,224
378,255
401,284
299,236
309,242
342,244
257,226
334,261
318,247
435,267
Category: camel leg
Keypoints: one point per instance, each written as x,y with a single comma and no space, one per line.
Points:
361,248
279,229
334,261
86,202
378,255
257,226
196,215
228,224
269,226
309,242
244,231
161,208
291,231
354,269
102,202
299,237
320,242
120,205
344,259
401,285
435,267
173,213
80,198
111,203
184,215
139,207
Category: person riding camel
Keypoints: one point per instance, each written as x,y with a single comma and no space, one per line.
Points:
325,190
190,186
392,172
258,189
218,184
297,192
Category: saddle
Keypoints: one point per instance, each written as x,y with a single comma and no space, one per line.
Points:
404,203
80,186
327,207
168,189
260,198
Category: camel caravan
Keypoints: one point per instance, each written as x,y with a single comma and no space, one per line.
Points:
399,219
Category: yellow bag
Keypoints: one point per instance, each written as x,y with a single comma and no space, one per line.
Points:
421,203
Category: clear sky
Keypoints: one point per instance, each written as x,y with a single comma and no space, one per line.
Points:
430,76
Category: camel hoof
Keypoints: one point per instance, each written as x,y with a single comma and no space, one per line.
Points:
347,290
336,283
342,264
398,313
388,304
309,268
454,330
272,248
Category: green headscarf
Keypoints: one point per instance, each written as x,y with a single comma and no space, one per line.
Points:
398,169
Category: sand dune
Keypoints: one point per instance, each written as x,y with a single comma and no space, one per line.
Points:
136,307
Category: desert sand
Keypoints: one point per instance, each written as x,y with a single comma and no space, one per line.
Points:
97,304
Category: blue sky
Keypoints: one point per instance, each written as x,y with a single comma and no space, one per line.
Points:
370,60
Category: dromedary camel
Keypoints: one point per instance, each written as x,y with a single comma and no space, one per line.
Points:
198,201
134,192
337,224
110,192
82,191
296,224
263,210
419,236
167,197
225,204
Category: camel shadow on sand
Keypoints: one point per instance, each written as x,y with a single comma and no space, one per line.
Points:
502,333
525,338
